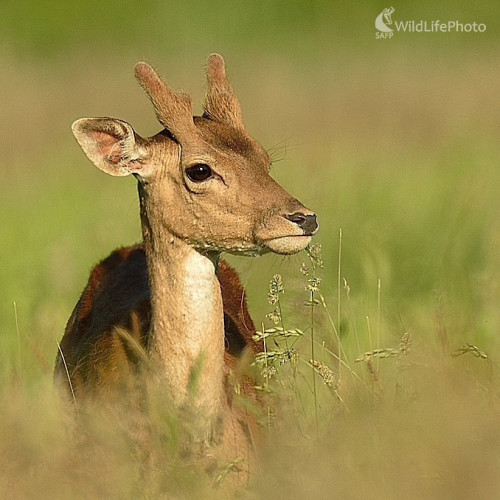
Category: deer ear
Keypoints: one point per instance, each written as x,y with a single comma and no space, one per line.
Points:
111,145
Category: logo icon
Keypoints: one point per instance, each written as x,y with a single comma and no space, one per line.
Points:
383,19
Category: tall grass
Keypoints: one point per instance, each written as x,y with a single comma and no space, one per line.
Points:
398,419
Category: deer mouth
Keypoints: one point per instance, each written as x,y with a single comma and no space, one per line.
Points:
287,245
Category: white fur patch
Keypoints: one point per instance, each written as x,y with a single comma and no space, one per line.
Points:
201,299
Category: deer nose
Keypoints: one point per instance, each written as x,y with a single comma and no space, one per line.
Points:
307,223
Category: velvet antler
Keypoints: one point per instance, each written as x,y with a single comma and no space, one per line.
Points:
173,110
221,103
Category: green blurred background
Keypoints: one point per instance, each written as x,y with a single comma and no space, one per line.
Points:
396,142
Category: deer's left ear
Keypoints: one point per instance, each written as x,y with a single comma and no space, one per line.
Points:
112,146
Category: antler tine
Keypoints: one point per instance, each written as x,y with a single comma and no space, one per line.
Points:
221,103
173,110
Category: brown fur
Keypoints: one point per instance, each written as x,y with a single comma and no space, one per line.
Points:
122,280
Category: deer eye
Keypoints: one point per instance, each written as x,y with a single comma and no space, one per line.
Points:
199,172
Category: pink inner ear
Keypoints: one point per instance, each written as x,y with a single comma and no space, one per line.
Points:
107,145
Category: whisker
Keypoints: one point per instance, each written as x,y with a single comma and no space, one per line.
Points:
279,151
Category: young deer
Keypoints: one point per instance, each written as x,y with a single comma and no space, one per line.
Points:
204,188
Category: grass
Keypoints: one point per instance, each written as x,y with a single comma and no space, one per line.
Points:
395,147
402,419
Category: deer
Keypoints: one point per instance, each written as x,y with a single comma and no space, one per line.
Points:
204,189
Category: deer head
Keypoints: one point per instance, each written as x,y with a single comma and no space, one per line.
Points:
204,180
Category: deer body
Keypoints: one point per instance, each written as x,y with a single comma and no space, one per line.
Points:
204,188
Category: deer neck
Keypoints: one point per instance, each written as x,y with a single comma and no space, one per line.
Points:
186,340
